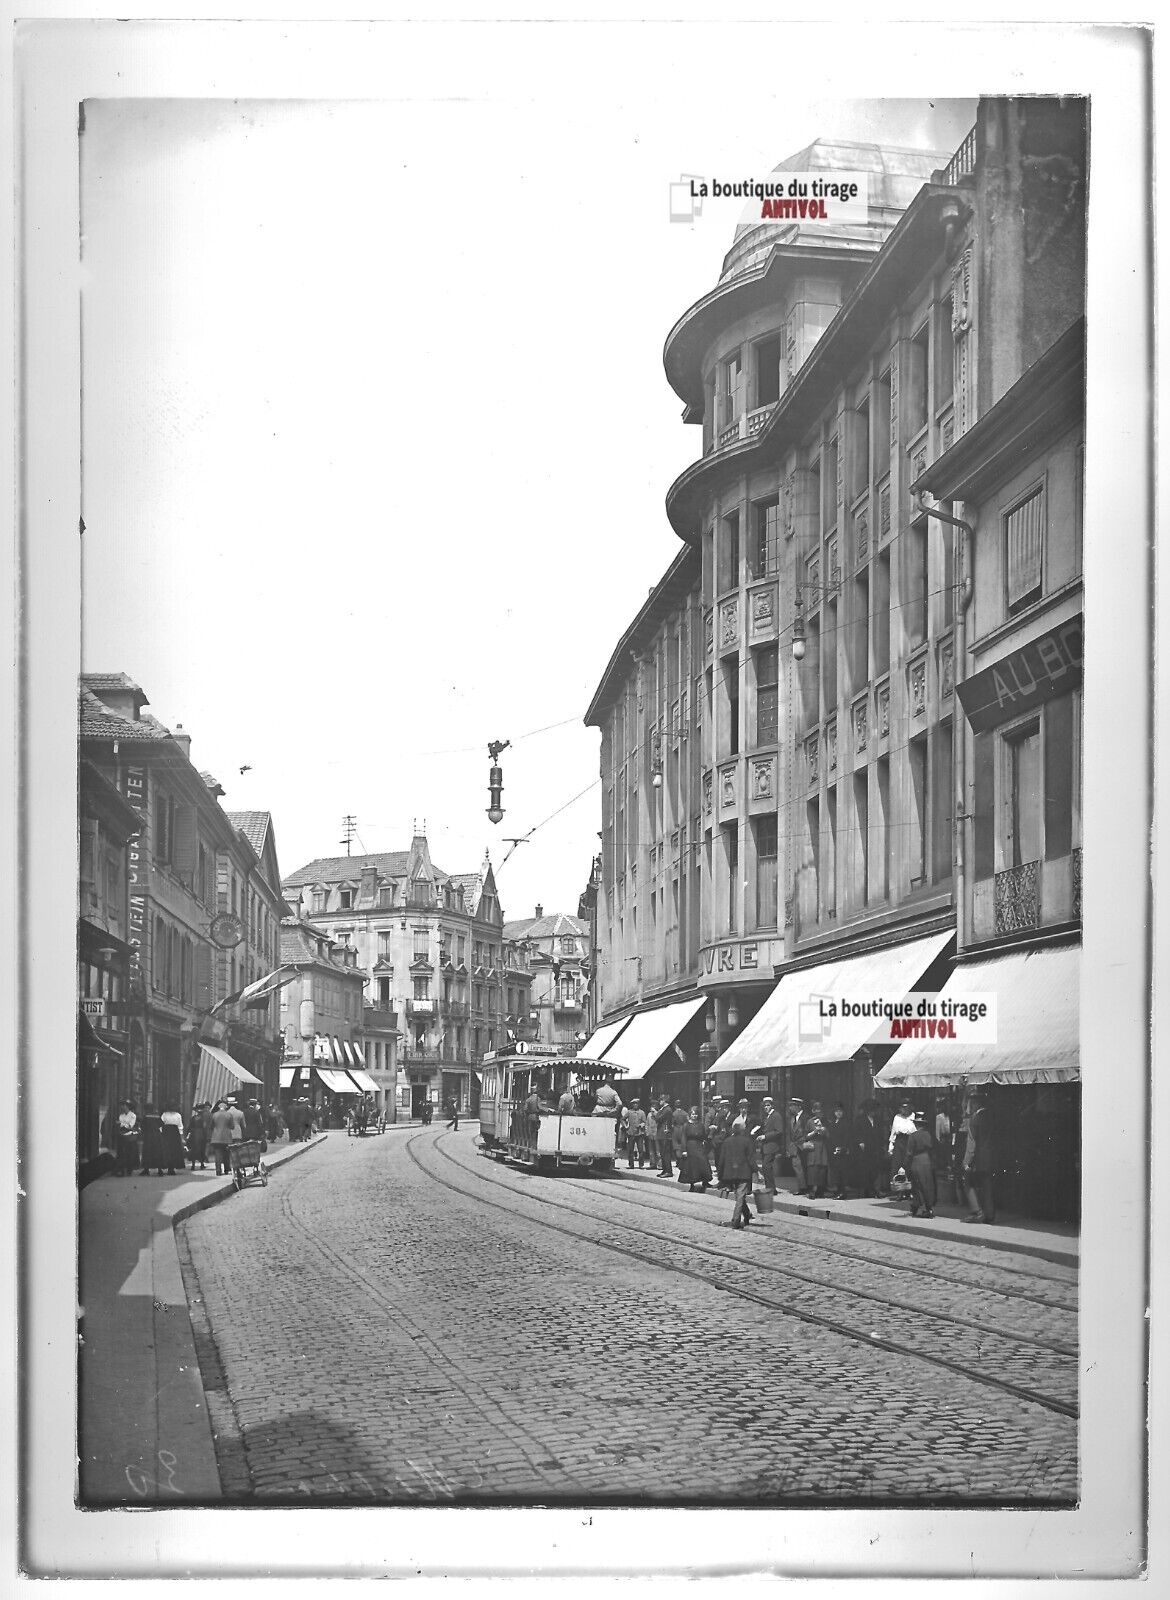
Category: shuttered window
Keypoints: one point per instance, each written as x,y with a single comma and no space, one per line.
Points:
1024,552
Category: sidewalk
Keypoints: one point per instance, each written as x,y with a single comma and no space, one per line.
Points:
1048,1241
144,1434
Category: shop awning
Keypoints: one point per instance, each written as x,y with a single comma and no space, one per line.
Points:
1037,1022
348,1057
90,1039
287,1077
335,1081
359,1053
596,1046
787,1030
219,1075
363,1080
650,1033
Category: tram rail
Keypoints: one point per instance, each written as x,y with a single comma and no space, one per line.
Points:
969,1363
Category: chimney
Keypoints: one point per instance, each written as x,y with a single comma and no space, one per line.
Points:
182,739
539,911
369,886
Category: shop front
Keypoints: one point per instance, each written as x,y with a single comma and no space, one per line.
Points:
1029,1077
802,1042
655,1052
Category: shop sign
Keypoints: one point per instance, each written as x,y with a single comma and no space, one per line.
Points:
93,1008
1038,671
755,1083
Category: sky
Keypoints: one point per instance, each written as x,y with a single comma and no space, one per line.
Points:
376,434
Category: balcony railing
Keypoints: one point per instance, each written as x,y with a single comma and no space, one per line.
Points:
420,1008
963,160
457,1010
560,1003
1017,898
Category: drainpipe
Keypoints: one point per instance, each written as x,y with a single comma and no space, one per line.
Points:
964,531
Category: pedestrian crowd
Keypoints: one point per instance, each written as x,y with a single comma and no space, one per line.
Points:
160,1140
730,1145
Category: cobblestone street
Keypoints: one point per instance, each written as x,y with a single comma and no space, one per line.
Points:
401,1319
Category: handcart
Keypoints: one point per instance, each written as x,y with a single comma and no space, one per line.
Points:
247,1155
356,1125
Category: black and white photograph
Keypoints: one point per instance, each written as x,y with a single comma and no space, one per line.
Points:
599,588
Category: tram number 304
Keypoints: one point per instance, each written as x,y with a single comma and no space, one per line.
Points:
576,1133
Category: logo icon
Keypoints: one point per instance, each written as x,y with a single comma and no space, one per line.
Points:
811,1025
685,204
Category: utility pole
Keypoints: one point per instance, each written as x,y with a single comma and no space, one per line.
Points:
348,829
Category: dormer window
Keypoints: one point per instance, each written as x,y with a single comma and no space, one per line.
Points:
385,896
345,899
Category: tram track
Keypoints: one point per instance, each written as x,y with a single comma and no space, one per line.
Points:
823,1246
510,1420
958,1345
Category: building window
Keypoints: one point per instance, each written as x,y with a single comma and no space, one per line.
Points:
916,387
1024,551
385,943
769,363
767,695
941,808
731,847
916,855
881,427
730,390
422,944
859,455
944,371
422,988
832,458
318,901
164,827
1022,796
708,562
384,992
766,831
861,823
385,896
345,899
729,553
765,533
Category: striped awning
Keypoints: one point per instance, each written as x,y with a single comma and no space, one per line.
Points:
219,1075
335,1081
347,1055
787,1030
358,1052
363,1080
1037,996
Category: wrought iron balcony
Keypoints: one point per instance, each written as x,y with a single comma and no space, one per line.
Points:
420,1008
1017,898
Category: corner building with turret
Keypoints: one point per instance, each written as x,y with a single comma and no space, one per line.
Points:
795,802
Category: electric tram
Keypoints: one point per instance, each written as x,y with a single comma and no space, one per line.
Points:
552,1140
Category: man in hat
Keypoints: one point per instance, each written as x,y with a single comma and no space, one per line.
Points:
608,1102
636,1133
739,1168
665,1141
797,1121
866,1151
772,1131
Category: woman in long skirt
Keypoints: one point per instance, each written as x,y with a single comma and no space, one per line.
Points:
172,1139
197,1131
920,1168
696,1168
152,1145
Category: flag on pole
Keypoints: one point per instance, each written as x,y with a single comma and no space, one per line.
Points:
259,989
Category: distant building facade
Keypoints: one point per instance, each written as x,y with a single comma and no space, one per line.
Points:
559,957
322,1019
432,948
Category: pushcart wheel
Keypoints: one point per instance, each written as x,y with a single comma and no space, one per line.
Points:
238,1177
263,1171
